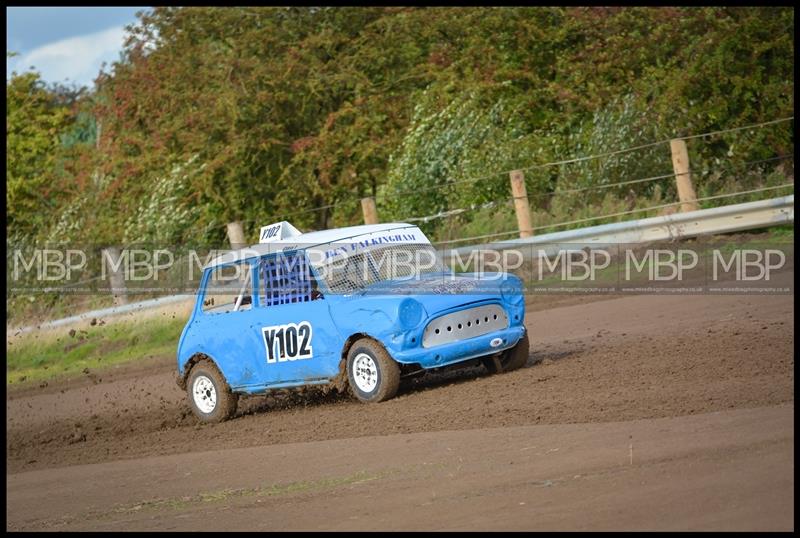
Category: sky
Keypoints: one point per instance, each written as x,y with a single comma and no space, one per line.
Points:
66,44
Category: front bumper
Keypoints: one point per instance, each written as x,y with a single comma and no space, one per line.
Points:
461,350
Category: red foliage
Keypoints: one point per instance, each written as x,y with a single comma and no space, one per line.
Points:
302,143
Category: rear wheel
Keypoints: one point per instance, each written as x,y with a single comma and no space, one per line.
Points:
510,359
372,374
210,396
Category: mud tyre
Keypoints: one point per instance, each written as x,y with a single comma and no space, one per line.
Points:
210,397
511,359
372,374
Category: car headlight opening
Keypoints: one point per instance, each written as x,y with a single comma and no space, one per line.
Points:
411,313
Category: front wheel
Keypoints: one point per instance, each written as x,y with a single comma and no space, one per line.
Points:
209,395
372,374
510,359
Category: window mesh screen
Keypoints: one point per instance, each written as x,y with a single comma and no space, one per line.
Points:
385,263
285,279
405,261
350,274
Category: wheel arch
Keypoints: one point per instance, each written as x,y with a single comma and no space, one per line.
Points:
340,381
183,375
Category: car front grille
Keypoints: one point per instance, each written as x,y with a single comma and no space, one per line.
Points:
464,324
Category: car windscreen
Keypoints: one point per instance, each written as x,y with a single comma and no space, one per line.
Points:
356,271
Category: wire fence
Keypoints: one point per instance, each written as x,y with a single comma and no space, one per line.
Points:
454,226
396,194
589,157
473,207
618,214
506,203
353,201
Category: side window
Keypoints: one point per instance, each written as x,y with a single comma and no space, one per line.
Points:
228,289
286,278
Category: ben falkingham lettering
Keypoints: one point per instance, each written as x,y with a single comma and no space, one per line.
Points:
380,240
352,247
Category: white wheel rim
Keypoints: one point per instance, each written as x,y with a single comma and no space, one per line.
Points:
204,393
365,373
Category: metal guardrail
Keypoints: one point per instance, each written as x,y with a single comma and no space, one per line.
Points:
726,219
731,218
107,312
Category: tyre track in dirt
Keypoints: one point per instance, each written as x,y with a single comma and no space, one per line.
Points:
600,360
713,471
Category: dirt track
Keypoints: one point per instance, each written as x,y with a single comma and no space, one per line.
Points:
608,369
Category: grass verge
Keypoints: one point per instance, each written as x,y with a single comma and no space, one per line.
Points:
68,352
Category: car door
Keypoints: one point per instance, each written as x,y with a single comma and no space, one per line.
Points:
217,329
299,342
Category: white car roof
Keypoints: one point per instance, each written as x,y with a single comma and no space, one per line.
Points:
307,240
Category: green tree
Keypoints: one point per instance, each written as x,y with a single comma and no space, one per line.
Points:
34,122
298,112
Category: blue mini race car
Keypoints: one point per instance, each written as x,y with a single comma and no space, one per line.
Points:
359,307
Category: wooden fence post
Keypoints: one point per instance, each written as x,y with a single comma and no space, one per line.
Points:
683,178
236,235
116,276
521,205
369,210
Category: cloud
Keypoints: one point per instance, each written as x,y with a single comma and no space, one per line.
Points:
76,58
